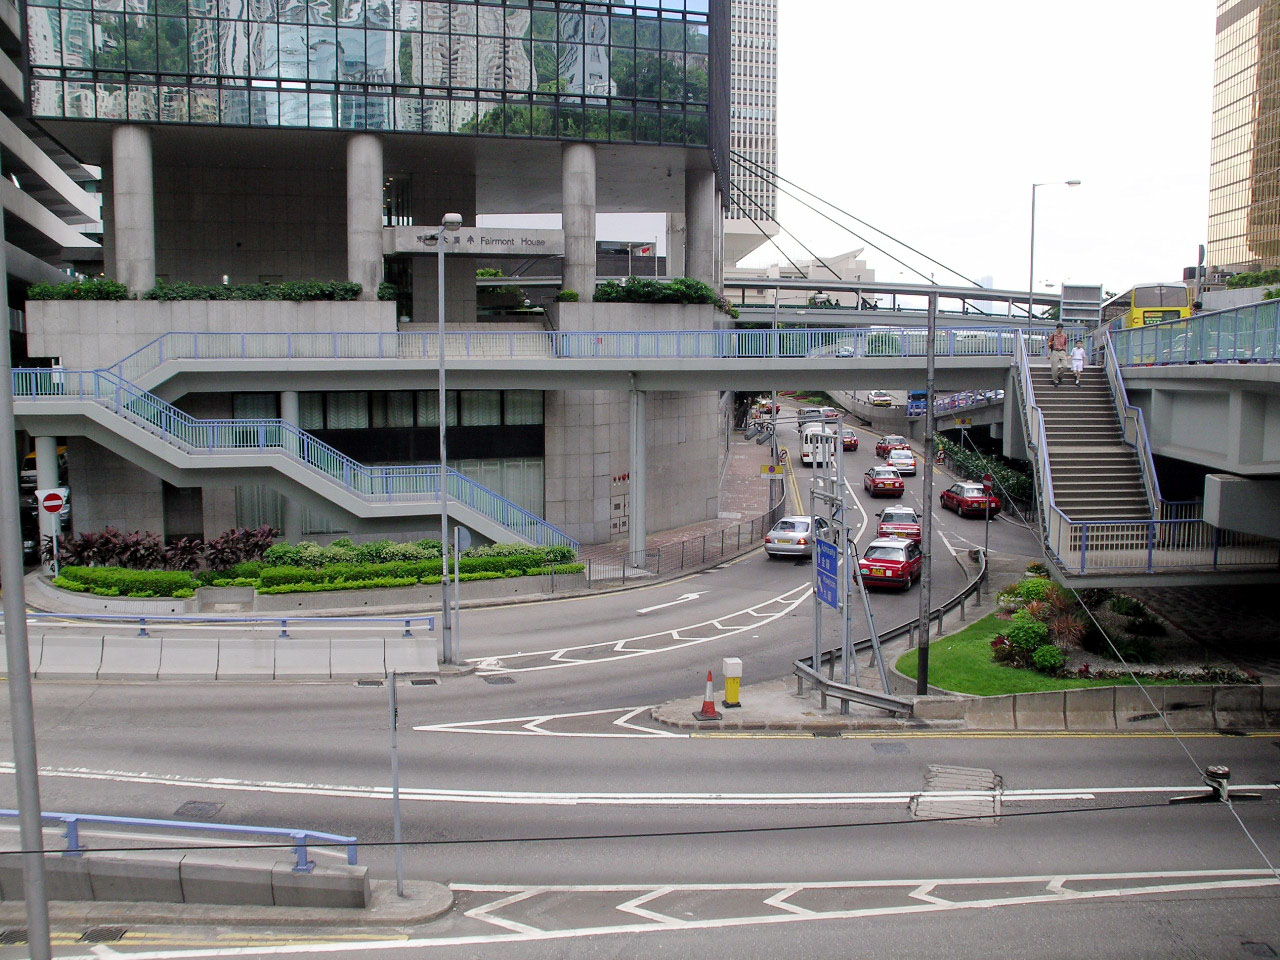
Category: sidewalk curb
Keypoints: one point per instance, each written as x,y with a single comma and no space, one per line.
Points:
427,901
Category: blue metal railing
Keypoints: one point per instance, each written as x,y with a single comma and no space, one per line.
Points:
300,838
1250,333
372,484
1133,424
887,342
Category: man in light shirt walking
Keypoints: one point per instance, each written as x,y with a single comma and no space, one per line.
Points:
1057,353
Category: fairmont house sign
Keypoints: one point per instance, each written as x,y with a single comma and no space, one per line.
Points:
475,241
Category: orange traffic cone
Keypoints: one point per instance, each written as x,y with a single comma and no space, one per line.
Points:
708,711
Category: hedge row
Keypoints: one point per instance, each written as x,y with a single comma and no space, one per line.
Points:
1009,483
130,583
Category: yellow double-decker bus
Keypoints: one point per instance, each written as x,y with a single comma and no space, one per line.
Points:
1147,303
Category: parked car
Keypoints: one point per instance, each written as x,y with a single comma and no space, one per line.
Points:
903,460
831,413
969,500
794,536
883,482
891,562
891,442
901,522
880,398
849,439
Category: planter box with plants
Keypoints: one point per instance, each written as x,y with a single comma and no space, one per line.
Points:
304,567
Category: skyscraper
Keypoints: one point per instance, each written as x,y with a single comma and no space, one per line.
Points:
753,130
1244,184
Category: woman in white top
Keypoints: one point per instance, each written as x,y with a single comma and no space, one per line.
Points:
1077,360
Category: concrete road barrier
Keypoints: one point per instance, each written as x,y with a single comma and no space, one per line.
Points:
141,878
411,655
253,658
1043,711
338,886
303,658
188,658
351,658
210,881
1090,708
130,658
69,657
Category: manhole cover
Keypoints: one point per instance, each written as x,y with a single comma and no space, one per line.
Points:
889,747
103,935
499,680
13,935
198,810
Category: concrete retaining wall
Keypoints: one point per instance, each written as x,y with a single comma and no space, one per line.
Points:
188,878
1112,708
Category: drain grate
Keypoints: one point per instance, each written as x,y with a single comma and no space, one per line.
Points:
103,935
13,935
424,682
198,810
499,680
368,683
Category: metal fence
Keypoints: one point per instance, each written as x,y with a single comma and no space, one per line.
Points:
1239,334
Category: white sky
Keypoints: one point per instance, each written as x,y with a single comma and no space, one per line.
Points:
932,118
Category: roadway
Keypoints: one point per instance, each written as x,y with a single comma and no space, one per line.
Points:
569,825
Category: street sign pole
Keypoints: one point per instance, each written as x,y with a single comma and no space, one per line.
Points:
988,482
926,525
817,600
397,832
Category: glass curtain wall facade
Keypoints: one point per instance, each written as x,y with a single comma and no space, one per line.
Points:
564,69
1244,185
753,107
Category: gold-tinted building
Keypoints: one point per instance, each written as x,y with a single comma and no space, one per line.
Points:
1244,177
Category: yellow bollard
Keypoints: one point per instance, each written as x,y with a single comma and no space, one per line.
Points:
731,668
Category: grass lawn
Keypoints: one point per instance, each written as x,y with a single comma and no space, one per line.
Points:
962,663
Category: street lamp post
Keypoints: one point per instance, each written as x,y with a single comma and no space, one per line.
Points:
1031,279
450,223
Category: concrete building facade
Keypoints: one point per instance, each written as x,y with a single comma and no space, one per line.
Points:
262,143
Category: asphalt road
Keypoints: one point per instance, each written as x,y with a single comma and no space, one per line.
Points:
569,826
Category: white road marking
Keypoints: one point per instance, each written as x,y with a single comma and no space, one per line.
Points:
684,598
779,900
753,617
858,504
607,798
532,726
1186,881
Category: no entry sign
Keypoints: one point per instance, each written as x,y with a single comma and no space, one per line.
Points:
52,500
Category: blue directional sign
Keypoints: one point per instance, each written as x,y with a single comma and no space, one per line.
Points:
827,564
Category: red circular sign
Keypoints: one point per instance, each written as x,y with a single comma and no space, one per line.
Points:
987,481
52,502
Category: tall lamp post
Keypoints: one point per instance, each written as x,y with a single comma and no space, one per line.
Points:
450,223
1031,279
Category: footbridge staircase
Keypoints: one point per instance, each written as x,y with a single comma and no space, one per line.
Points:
138,425
1101,515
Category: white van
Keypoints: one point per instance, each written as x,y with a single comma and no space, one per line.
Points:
818,445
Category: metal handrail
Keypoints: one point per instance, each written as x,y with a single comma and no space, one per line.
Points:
184,432
805,669
886,342
1132,422
302,864
1247,333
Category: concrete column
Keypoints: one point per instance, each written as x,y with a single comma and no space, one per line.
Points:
639,486
578,202
364,213
133,207
701,223
290,511
675,245
46,478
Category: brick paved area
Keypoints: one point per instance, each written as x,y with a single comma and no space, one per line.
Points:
1239,623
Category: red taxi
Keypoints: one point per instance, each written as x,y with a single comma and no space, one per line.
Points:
882,482
849,438
891,442
968,499
899,522
891,562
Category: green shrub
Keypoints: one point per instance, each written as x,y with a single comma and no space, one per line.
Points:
1144,625
1048,659
648,290
183,592
567,296
386,291
558,569
249,570
1037,569
95,288
160,583
141,593
1127,606
483,575
972,465
235,582
1034,588
292,290
1260,278
282,555
75,586
1026,633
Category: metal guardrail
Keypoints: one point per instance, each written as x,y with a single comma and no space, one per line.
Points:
805,669
1250,333
145,620
1133,424
727,344
208,437
300,838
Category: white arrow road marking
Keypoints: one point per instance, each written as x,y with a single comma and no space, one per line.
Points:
683,598
600,798
779,900
532,726
635,906
482,912
663,641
